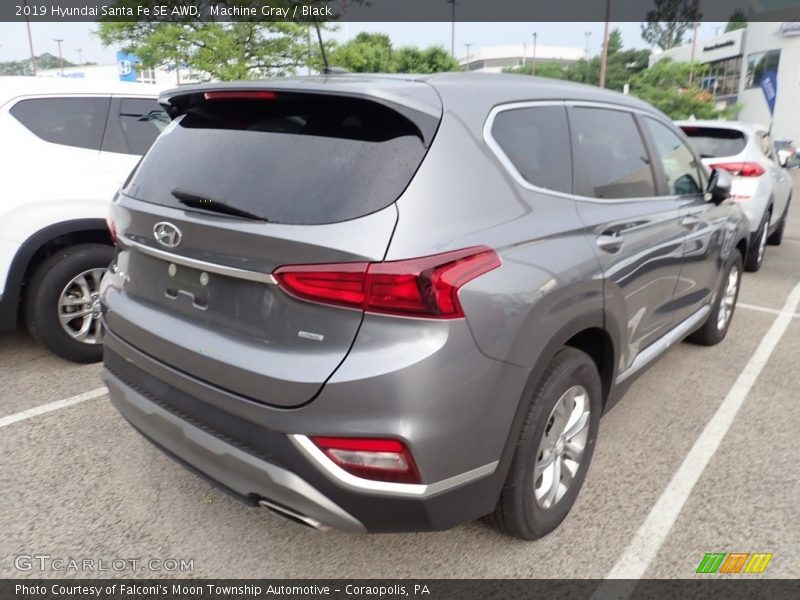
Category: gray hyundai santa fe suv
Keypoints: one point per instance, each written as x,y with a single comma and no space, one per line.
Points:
386,303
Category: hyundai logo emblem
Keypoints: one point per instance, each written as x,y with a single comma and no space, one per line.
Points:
167,234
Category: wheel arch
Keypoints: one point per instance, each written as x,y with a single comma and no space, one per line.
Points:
594,333
35,249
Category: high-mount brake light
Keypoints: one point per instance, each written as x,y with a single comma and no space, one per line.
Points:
240,95
378,459
418,287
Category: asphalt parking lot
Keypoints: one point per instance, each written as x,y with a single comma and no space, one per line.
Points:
78,482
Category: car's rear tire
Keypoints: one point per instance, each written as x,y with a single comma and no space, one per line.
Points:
66,284
554,449
719,319
776,239
755,256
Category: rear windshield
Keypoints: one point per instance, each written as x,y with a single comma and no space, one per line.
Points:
713,142
296,159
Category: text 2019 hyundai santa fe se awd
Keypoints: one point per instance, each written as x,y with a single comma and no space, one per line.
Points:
394,304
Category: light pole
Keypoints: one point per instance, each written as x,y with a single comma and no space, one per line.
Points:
80,56
604,56
694,49
466,66
533,58
586,50
30,40
453,3
60,56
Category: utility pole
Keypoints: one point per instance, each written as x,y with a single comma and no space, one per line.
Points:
466,66
586,49
453,3
533,58
80,56
694,49
30,40
60,57
308,49
604,55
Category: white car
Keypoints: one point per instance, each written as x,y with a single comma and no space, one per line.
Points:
760,182
66,146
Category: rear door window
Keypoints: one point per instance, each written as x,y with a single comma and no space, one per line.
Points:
715,142
292,158
141,120
536,142
611,160
78,122
680,167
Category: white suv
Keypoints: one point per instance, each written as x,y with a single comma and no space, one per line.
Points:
66,146
759,182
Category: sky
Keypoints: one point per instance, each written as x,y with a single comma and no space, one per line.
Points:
14,39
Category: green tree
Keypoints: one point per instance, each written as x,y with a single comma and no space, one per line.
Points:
738,20
614,41
665,86
668,22
544,68
365,53
433,59
622,66
373,53
213,50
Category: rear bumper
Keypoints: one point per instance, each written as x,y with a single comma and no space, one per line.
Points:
245,474
272,461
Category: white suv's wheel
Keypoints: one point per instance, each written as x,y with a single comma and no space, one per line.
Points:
62,305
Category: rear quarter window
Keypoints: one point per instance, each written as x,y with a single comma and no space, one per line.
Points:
297,159
714,142
536,142
78,122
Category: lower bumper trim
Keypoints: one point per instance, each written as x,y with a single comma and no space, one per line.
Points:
243,473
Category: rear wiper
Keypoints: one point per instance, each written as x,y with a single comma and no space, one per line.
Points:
211,205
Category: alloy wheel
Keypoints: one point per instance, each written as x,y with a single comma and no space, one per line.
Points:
561,449
728,300
79,307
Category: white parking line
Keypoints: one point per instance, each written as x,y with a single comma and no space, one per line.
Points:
772,311
645,545
46,408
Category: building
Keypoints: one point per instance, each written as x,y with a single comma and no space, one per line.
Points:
740,60
496,58
126,69
773,47
724,56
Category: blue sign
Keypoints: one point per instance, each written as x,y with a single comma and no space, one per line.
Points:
769,85
126,63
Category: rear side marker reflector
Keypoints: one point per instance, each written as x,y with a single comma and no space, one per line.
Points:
371,458
422,287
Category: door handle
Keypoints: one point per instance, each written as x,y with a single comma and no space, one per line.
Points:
610,243
690,222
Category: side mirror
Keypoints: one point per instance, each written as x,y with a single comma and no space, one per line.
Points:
719,186
783,158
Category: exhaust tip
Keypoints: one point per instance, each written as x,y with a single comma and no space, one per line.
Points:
292,515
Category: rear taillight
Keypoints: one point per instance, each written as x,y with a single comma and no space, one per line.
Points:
741,169
421,287
371,458
112,230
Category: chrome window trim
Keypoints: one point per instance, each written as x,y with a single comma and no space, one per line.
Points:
502,157
199,264
334,471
